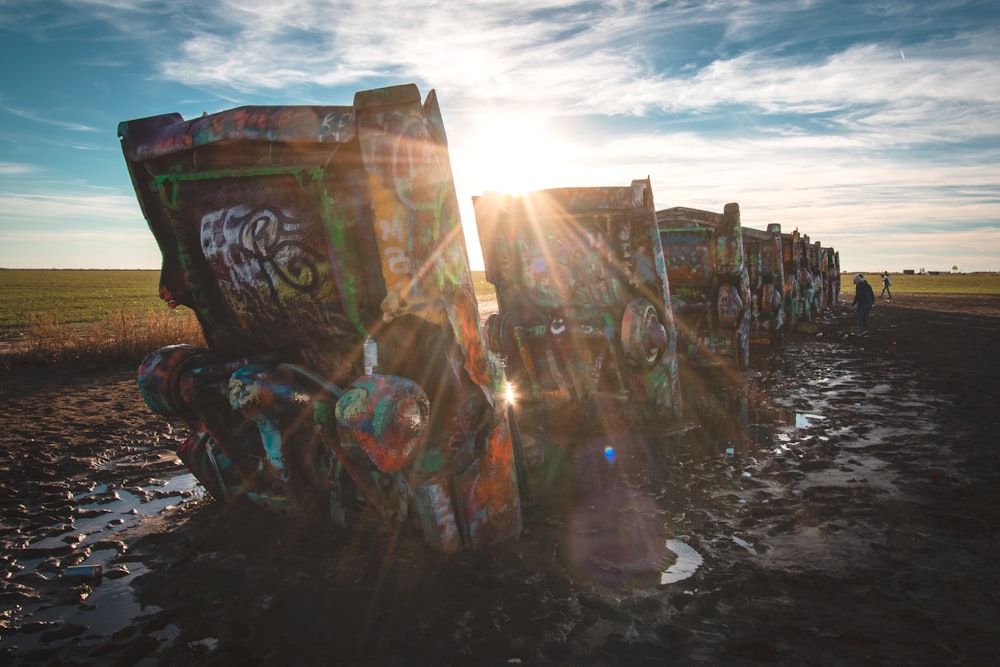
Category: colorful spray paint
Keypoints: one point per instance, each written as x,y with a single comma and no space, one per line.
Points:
584,323
832,267
710,285
762,250
798,279
322,251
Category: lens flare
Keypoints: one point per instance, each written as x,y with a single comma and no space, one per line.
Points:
508,393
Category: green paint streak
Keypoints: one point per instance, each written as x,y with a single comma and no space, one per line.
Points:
169,193
345,261
232,173
381,418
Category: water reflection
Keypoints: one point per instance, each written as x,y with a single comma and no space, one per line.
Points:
620,497
806,420
62,602
688,562
737,418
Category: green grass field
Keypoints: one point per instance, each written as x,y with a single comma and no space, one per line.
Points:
948,283
71,296
80,297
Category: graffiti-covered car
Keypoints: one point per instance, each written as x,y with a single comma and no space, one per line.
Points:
583,322
817,269
800,294
709,284
832,276
762,250
322,252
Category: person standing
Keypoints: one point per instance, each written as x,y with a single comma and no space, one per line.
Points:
864,300
885,286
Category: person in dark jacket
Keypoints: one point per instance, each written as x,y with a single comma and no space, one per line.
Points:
864,299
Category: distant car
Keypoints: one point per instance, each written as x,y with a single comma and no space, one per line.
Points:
322,251
765,270
832,272
709,284
799,277
584,324
817,267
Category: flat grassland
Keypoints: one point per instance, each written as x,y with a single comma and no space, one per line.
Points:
945,283
78,297
72,296
51,316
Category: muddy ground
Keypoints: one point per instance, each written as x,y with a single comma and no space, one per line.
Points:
837,505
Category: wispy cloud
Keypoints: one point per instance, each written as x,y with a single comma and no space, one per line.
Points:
807,111
74,236
28,114
571,58
103,62
16,168
27,211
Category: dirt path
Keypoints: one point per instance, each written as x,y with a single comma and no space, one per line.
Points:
843,498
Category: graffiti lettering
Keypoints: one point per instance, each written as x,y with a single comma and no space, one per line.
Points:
277,244
336,127
392,230
396,260
417,166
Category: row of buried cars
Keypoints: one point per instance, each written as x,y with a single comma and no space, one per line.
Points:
346,370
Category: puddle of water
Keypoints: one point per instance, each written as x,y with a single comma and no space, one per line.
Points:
746,545
110,606
734,423
805,420
688,562
116,509
107,603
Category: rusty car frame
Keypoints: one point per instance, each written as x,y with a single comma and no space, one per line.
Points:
344,374
583,324
762,249
798,279
709,283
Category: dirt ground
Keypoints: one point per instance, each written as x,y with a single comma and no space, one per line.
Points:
838,504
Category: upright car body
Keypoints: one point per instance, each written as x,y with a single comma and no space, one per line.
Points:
322,251
710,285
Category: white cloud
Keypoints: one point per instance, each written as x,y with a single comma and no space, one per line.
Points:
32,115
16,168
77,236
804,112
573,57
99,211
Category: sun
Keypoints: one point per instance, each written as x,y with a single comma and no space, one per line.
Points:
509,153
512,154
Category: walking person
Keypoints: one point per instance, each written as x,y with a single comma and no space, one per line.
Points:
885,286
864,300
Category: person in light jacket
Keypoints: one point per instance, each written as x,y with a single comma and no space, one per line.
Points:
885,286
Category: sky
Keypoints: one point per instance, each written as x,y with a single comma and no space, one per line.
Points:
872,126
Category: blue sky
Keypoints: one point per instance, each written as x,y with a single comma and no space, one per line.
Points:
872,126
